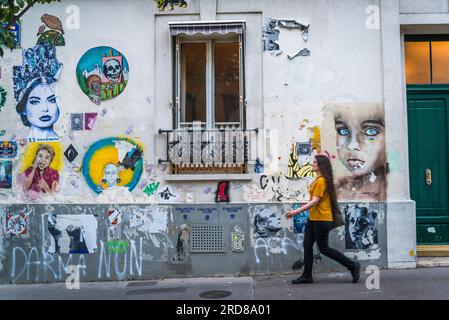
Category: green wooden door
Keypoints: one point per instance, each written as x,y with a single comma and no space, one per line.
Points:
428,154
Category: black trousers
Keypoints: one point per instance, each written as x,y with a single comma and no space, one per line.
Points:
319,231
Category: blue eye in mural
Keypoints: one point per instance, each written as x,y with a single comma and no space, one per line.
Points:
343,131
371,132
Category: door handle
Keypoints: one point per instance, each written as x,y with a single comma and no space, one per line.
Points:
428,174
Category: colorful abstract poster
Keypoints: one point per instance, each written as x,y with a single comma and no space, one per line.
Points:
15,224
300,222
5,174
8,149
102,73
72,233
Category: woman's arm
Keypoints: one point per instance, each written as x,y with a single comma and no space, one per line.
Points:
307,206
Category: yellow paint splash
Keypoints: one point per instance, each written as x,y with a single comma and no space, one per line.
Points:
316,139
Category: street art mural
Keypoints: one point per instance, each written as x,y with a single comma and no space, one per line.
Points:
300,221
89,120
356,133
35,92
266,221
114,224
300,161
70,153
222,193
41,165
71,233
102,73
5,174
167,194
271,234
360,224
76,121
54,36
162,4
2,98
112,168
8,149
15,224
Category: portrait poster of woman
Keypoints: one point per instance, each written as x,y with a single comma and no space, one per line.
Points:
41,167
35,92
354,136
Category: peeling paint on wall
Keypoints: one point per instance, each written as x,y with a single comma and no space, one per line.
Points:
271,32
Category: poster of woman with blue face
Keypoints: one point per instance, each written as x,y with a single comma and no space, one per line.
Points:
35,91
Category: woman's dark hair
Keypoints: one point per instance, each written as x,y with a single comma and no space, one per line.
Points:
22,104
326,171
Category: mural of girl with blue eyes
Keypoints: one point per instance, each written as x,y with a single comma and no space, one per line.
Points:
35,92
360,142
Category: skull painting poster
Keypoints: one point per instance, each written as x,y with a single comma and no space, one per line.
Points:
102,73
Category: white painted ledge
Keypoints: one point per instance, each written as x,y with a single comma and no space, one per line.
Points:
209,177
429,18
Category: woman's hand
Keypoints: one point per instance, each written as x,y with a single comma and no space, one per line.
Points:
44,186
292,213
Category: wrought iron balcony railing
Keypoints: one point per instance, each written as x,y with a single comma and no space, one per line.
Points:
207,151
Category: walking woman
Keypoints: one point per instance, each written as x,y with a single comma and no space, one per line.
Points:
322,201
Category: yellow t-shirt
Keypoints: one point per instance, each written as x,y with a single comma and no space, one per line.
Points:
323,210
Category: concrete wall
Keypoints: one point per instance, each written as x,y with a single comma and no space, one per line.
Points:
152,242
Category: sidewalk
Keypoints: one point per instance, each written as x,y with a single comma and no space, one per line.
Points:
426,283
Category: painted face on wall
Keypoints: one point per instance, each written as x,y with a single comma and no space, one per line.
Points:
43,159
361,139
111,175
42,109
267,222
361,228
112,70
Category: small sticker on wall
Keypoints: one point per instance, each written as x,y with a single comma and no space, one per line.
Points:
77,122
8,149
431,230
89,120
16,224
71,153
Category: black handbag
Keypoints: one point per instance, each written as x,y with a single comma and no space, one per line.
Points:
337,217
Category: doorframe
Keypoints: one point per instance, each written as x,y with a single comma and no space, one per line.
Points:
430,250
